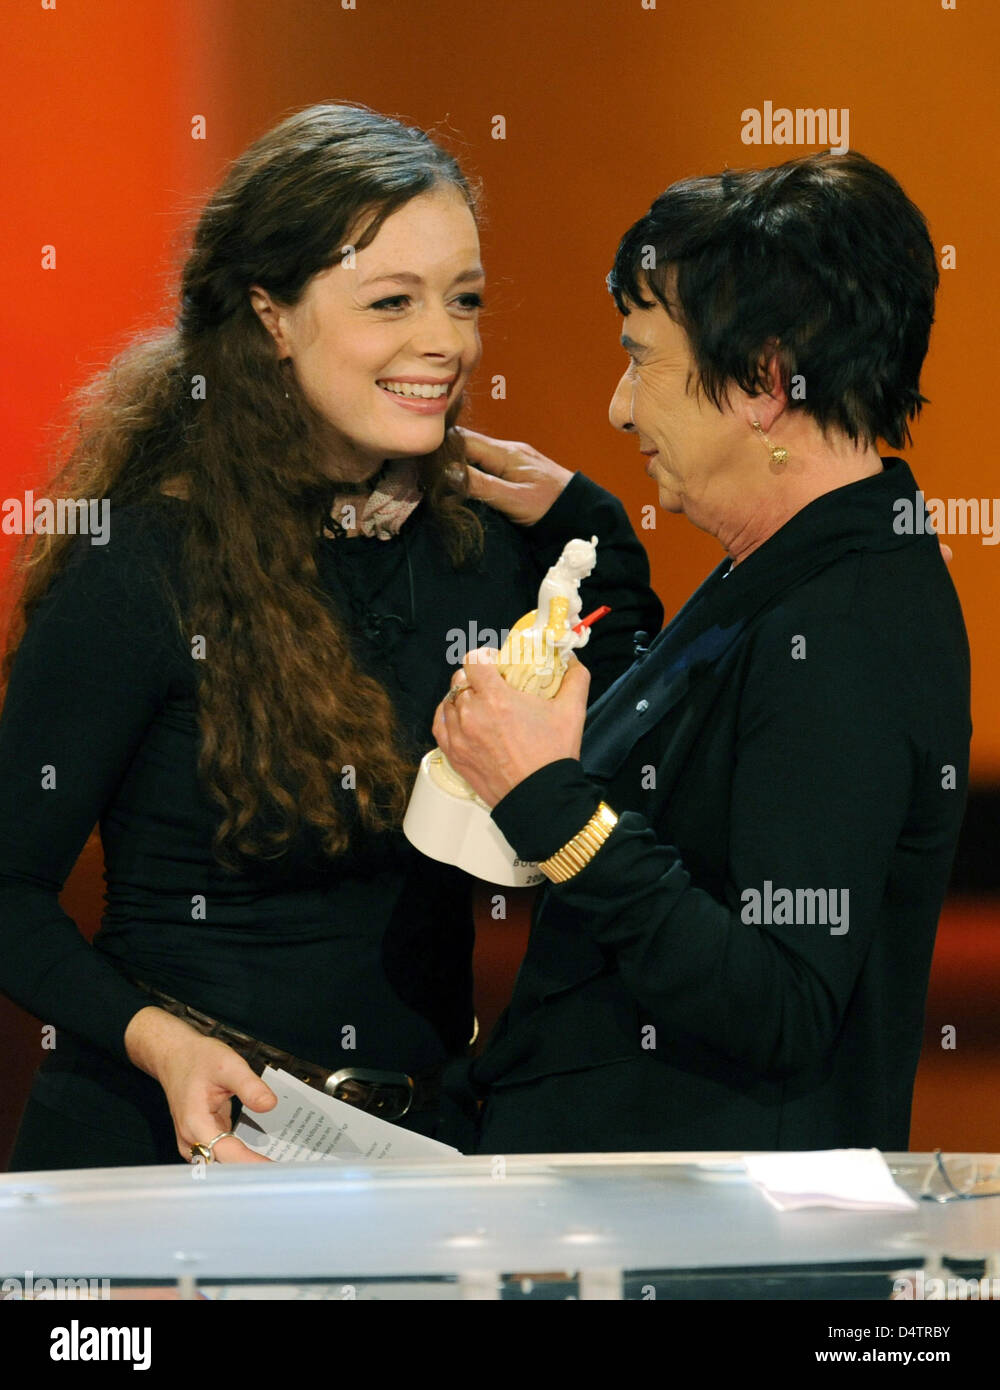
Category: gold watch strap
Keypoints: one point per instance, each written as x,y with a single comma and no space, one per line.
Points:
579,851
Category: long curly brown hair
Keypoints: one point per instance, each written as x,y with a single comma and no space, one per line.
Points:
283,704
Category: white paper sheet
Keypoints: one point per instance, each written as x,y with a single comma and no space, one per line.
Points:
308,1125
851,1179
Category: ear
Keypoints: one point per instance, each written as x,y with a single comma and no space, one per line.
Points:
270,316
771,404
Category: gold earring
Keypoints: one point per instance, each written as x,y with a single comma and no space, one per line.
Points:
779,455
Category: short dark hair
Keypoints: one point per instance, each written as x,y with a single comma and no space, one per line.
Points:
822,263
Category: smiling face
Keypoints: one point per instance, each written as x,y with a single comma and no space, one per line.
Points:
383,348
697,453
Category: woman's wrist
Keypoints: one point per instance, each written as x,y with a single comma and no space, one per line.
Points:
547,809
561,519
150,1034
578,851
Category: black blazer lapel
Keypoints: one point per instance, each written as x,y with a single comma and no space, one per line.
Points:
652,689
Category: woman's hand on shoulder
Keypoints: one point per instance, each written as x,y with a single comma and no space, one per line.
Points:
199,1077
513,478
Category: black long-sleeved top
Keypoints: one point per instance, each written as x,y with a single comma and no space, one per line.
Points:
802,724
99,725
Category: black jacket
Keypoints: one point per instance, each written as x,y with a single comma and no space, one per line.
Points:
802,724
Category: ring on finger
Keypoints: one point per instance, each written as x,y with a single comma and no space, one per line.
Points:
455,691
204,1151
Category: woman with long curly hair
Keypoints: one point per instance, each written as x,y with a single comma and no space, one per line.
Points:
237,686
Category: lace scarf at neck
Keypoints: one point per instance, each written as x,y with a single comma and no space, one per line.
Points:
380,513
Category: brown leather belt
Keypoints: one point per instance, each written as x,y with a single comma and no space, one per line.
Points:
388,1094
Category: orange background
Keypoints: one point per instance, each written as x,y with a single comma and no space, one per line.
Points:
605,101
605,104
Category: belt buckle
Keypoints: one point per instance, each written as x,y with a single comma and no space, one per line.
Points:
388,1094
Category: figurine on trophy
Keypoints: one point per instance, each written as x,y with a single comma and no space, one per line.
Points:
445,819
533,658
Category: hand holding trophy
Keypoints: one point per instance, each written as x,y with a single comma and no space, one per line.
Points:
445,819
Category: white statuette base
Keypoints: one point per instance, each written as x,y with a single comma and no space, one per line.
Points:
458,830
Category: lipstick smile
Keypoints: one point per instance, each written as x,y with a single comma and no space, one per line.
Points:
420,395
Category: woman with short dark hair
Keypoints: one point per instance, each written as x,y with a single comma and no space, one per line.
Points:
818,273
749,843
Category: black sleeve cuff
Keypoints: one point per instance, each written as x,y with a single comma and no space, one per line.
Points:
579,496
545,811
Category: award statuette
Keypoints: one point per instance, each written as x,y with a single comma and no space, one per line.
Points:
445,819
